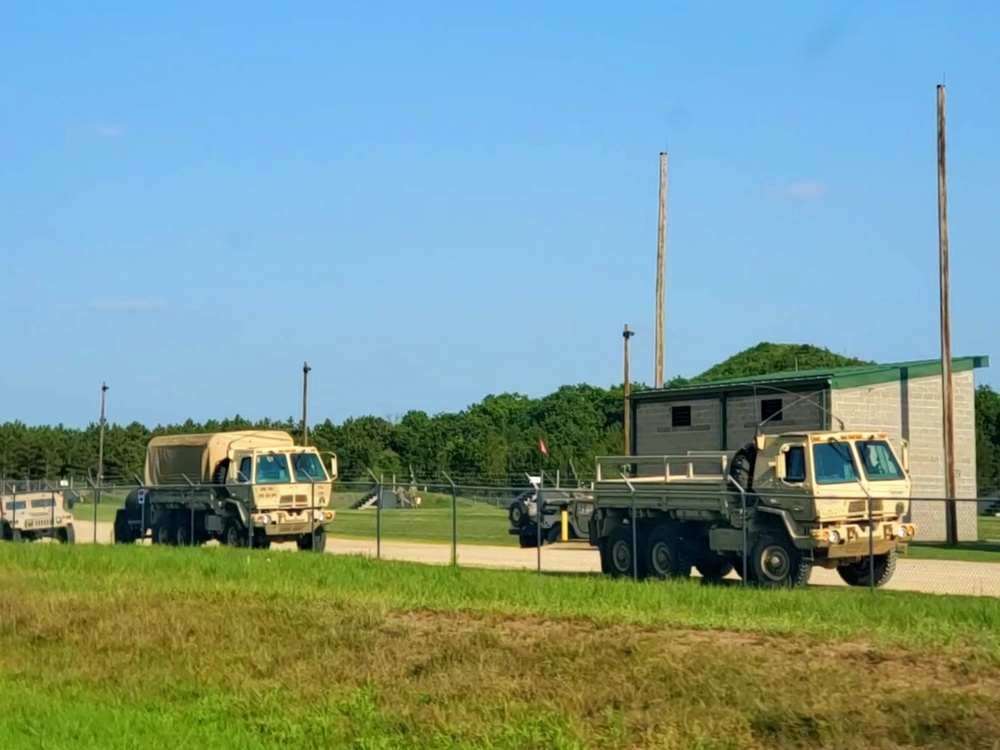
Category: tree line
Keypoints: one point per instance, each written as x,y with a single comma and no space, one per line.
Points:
495,441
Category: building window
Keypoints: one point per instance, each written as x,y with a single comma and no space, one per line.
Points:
770,410
680,416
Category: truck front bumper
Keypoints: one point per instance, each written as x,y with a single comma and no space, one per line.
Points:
840,540
284,523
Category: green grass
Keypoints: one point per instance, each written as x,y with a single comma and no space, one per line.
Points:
165,647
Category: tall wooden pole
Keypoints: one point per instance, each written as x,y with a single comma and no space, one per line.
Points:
627,334
660,266
951,519
305,392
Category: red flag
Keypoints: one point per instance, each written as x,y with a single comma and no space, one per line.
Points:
542,448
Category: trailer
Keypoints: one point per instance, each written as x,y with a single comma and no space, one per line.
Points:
247,488
770,511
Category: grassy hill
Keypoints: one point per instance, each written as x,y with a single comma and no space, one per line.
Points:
766,358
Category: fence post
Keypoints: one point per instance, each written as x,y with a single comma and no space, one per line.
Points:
871,543
454,520
635,534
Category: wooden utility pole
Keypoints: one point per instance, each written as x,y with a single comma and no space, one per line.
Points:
660,266
305,391
627,334
951,517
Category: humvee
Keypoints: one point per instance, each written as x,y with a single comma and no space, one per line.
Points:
27,516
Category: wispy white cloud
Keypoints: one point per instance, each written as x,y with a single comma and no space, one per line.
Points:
804,190
140,304
109,130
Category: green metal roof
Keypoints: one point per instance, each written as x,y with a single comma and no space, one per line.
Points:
833,377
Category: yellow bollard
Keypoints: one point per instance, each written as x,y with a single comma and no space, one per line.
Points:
564,536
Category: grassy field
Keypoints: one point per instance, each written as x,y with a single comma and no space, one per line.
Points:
128,647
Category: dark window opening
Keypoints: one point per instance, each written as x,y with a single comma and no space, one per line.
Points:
795,464
680,416
770,410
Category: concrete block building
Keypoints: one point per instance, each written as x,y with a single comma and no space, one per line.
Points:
903,399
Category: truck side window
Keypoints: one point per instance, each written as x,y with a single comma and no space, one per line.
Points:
244,475
795,464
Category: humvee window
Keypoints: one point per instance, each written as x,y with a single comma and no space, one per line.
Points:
834,463
46,502
244,474
308,468
878,460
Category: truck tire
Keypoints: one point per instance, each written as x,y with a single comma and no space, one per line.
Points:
517,513
316,541
621,553
858,574
714,567
663,553
122,531
777,563
233,534
66,535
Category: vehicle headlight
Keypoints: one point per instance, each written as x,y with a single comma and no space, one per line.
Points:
902,531
833,536
266,519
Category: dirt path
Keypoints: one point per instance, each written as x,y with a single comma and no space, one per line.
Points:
928,576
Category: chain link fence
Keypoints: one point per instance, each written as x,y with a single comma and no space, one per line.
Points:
480,525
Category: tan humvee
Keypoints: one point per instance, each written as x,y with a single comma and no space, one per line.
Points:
27,516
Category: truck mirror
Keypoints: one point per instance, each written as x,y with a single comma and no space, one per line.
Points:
780,470
333,466
906,457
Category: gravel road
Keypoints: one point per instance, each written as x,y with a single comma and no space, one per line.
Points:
928,576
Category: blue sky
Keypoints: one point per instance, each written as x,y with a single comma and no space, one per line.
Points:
434,201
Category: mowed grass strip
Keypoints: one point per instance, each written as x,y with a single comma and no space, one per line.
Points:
165,647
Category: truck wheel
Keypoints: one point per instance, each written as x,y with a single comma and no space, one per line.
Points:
122,532
233,535
714,567
776,562
620,553
66,535
182,533
664,555
517,513
858,574
527,541
313,542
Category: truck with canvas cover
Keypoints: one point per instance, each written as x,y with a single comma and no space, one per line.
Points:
27,516
242,488
770,511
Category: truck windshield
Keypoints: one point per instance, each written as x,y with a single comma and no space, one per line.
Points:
879,462
272,468
834,463
308,468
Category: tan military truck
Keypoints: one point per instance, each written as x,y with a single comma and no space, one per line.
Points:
771,511
242,488
27,516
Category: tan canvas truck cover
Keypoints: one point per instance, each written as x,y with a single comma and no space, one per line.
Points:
171,458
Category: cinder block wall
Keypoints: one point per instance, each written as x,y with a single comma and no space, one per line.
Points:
654,434
911,409
798,412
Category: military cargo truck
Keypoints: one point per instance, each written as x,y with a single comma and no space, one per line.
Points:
242,488
523,516
771,511
27,516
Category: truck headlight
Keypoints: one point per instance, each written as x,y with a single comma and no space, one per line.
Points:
266,519
833,536
902,532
